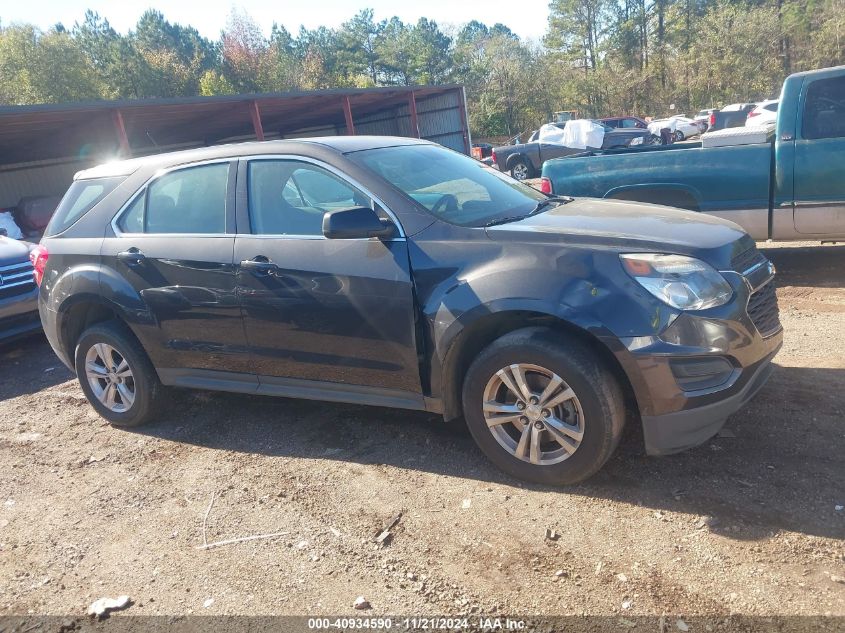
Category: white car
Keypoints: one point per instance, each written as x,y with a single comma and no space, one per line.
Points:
682,127
765,113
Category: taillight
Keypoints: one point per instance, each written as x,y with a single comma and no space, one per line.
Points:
712,119
546,185
493,157
753,113
39,256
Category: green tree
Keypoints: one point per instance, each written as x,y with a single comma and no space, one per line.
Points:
44,67
357,44
430,51
395,53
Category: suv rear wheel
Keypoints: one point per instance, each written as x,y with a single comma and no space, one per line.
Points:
542,407
116,375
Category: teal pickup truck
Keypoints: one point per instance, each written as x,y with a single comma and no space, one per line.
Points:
787,185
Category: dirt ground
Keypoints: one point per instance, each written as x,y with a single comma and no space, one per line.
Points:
745,524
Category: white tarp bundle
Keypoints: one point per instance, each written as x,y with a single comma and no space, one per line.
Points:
577,134
8,222
655,126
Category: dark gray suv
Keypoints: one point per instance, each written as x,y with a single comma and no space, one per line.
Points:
394,272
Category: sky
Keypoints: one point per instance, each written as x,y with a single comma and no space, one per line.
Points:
526,17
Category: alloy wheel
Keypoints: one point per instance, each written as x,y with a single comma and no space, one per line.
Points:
520,171
110,377
533,414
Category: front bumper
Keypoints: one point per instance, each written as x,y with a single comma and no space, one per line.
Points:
19,315
673,432
678,407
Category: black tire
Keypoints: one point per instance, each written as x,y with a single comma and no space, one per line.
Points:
597,390
521,169
149,392
679,136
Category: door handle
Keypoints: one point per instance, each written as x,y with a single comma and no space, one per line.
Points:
259,264
132,257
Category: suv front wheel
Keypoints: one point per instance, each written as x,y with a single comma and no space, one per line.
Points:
116,375
542,407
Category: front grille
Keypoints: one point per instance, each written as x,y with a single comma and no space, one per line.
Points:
16,279
747,260
763,309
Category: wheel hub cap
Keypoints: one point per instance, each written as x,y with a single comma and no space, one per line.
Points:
110,377
533,414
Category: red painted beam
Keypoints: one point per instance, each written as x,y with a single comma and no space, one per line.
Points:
347,113
120,130
256,120
412,108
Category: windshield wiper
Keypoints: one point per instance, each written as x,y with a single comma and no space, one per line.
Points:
510,218
541,206
556,200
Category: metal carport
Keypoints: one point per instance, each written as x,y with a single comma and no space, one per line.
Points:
42,146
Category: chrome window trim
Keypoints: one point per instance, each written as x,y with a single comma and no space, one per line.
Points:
143,188
342,176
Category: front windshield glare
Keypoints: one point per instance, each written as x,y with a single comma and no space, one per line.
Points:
453,187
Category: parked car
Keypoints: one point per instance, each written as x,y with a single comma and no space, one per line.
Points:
481,150
18,292
789,187
395,272
625,122
525,160
682,127
738,107
765,113
732,115
703,118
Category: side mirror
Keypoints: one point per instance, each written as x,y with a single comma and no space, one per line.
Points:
356,223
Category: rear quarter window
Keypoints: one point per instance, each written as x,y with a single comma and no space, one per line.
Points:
79,200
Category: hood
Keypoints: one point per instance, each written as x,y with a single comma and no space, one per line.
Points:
13,251
623,225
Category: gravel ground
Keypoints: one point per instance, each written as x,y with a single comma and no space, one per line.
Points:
745,524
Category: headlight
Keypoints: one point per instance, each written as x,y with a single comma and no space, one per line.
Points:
682,282
637,141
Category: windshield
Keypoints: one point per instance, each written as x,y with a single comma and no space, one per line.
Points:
451,186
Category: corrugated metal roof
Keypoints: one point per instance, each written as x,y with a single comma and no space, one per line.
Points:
87,130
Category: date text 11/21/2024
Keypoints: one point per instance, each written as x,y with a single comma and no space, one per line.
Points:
419,623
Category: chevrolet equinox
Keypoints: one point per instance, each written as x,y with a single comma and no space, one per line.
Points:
395,272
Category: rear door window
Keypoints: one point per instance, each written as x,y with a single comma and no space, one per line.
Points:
79,200
188,201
